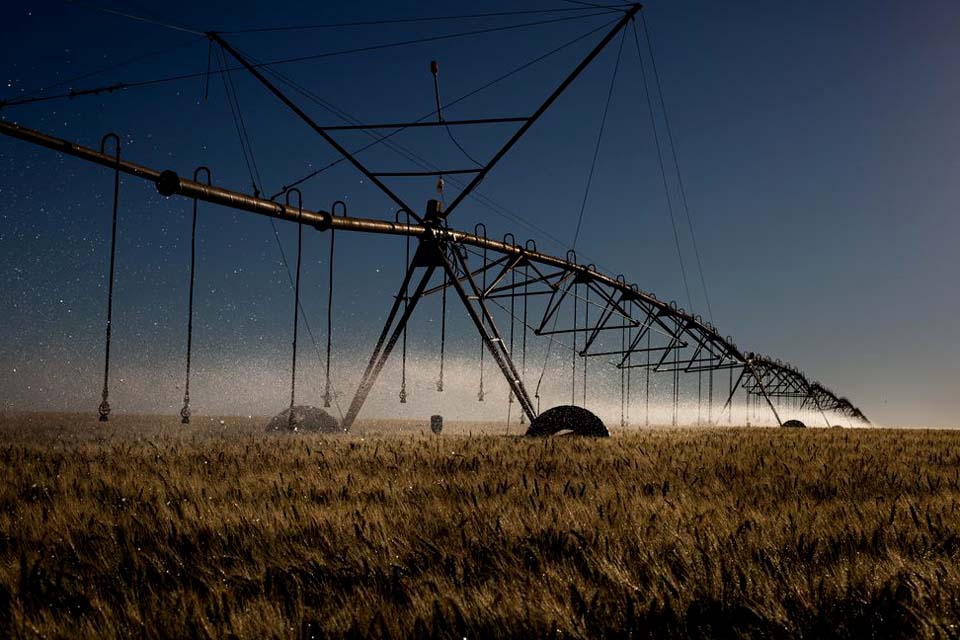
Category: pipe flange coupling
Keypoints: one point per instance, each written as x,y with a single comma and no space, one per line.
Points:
168,183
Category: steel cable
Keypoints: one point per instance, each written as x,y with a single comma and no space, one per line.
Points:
120,86
596,149
663,172
367,23
676,164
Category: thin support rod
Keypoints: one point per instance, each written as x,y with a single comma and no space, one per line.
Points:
481,394
573,354
403,346
523,347
428,123
296,310
646,381
513,323
443,328
676,385
730,401
327,394
185,411
104,408
420,174
629,371
710,398
586,326
623,380
699,394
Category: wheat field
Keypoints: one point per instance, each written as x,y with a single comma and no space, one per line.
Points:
145,528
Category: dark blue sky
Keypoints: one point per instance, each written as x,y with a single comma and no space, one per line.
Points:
819,145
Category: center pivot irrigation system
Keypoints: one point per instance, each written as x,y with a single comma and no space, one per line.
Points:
539,293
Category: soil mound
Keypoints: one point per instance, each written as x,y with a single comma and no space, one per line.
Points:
305,418
794,424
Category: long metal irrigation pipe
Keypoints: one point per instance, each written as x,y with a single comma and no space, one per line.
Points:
170,183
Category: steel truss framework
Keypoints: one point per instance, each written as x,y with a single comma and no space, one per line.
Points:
627,327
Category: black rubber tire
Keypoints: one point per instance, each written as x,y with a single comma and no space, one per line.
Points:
567,417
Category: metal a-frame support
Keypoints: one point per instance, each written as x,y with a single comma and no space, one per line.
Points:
763,389
748,368
487,327
431,253
255,72
549,277
480,173
384,345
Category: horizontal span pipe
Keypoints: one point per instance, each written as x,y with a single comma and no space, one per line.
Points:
86,153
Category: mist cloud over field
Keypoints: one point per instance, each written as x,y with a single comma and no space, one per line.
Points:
261,386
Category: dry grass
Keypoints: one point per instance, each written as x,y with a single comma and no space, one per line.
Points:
143,528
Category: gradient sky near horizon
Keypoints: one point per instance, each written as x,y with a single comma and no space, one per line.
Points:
819,144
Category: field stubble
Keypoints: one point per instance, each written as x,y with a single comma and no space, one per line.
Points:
143,527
